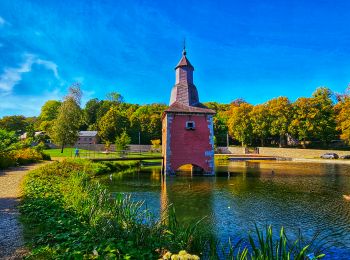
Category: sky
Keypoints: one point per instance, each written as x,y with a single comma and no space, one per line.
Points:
255,50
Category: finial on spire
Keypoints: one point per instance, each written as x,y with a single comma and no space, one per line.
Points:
184,49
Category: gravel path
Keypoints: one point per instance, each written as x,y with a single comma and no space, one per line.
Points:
11,240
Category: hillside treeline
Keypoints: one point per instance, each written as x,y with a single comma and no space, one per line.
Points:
317,120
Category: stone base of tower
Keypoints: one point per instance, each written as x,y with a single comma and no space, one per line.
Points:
184,145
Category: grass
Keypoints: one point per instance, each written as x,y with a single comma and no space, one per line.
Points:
67,152
68,216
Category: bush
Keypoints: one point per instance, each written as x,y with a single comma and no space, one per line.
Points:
27,155
6,160
21,157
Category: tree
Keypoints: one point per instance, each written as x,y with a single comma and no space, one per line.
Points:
239,123
49,112
65,130
260,122
303,121
17,124
122,141
279,115
7,139
90,113
112,124
220,120
115,97
342,109
148,120
314,118
325,120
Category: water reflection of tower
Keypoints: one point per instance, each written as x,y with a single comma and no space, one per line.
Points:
191,197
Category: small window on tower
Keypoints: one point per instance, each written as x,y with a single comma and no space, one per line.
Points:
190,125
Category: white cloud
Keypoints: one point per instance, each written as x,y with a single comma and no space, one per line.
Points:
49,65
12,76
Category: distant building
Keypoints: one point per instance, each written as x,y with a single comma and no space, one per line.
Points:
88,137
39,133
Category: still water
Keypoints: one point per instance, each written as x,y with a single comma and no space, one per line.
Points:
306,196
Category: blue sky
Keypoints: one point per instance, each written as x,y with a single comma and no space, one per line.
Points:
254,50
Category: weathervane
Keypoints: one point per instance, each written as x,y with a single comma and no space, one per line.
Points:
184,50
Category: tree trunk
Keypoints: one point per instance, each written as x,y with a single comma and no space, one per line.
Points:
62,148
262,142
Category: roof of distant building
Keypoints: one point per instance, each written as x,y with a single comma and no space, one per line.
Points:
87,133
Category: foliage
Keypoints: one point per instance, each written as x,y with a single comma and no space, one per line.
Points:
66,126
112,124
16,124
7,140
73,217
148,120
155,144
49,112
239,123
260,122
280,112
122,141
20,157
343,119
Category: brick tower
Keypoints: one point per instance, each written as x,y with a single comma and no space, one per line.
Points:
187,134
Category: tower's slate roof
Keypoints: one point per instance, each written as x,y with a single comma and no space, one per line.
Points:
178,107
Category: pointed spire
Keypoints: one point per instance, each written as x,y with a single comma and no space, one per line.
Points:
184,62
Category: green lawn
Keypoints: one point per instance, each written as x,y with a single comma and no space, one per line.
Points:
69,152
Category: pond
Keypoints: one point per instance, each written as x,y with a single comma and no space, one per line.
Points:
306,196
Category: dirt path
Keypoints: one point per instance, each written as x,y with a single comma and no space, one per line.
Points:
11,240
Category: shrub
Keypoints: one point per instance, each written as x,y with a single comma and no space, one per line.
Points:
25,156
6,160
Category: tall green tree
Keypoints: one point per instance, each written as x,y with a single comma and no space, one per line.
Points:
303,123
112,124
91,113
279,115
148,120
325,119
65,130
260,122
49,112
240,124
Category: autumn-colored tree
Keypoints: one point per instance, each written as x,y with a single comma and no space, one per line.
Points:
65,129
240,124
260,121
303,121
279,115
342,109
325,120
